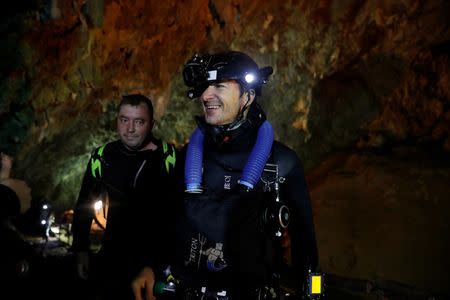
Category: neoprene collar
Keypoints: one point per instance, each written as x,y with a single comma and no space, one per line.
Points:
221,135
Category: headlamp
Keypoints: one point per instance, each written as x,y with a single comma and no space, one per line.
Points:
249,78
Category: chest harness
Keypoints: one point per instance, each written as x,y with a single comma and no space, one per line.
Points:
276,214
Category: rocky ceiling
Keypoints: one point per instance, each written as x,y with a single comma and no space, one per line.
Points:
363,88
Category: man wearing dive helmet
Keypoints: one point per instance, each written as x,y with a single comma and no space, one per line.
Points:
243,190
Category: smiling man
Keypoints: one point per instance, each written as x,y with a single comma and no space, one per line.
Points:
244,191
128,176
216,108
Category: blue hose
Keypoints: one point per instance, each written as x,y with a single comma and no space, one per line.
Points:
258,157
193,165
252,170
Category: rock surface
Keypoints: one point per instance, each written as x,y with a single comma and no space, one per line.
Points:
350,76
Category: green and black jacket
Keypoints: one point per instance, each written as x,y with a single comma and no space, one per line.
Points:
140,187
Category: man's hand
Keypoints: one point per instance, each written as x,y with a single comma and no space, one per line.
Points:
144,281
82,264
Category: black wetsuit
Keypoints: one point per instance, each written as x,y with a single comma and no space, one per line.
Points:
139,186
223,244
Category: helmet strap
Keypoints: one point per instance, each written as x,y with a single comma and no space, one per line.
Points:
240,118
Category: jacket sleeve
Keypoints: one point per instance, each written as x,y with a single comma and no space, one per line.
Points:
83,213
294,192
159,252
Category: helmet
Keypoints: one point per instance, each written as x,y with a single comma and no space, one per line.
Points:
200,71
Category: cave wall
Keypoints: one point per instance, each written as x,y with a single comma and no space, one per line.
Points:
350,76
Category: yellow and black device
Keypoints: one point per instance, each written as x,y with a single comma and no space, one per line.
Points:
315,285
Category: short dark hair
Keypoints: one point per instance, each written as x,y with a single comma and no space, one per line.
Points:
135,100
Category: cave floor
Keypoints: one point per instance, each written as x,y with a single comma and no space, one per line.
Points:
51,275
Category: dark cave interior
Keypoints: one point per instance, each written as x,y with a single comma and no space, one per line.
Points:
361,91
